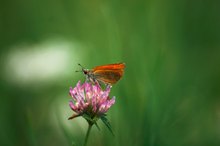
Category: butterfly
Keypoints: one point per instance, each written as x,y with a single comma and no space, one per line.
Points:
108,74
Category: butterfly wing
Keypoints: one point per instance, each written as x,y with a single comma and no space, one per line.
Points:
115,66
110,76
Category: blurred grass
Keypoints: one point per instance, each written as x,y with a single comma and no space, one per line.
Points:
168,96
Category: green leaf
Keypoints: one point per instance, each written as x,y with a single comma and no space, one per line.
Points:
107,124
97,126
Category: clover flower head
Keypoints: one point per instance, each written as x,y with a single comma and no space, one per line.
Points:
90,99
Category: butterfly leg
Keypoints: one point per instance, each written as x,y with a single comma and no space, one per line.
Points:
97,83
108,85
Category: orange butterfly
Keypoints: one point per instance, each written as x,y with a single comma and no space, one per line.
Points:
108,74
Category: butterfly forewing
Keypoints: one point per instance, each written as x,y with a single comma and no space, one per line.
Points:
114,66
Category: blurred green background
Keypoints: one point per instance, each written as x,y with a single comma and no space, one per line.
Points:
169,95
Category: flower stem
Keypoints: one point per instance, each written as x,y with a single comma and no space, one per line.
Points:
87,134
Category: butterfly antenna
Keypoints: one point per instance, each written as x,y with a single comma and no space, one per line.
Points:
80,65
80,70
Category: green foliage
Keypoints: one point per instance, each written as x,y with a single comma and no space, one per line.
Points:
107,123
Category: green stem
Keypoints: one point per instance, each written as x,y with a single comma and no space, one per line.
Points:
87,134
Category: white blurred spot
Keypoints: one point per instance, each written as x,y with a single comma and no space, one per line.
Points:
41,62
